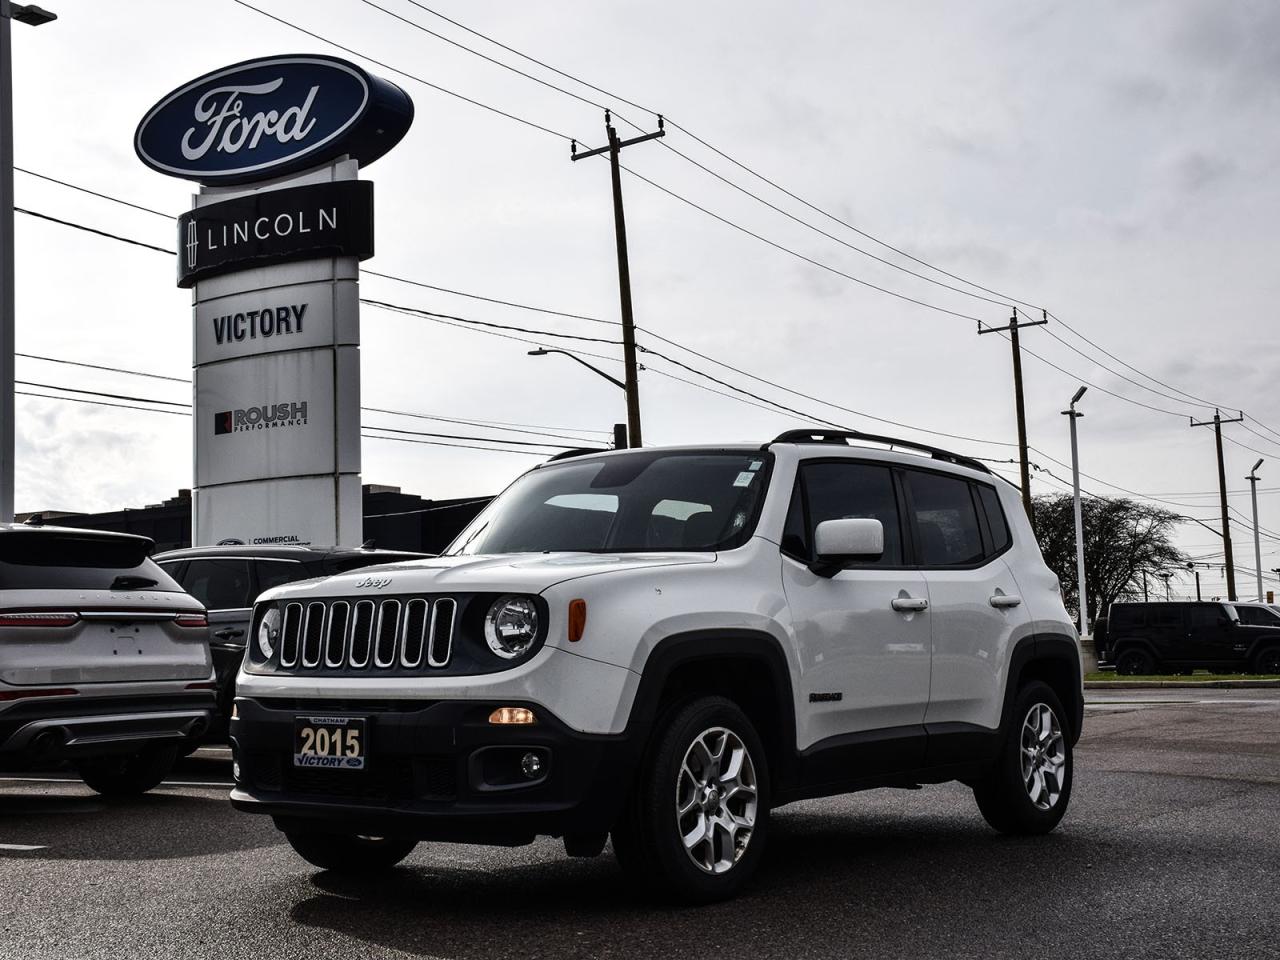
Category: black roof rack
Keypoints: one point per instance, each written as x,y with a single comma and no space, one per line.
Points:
842,437
578,452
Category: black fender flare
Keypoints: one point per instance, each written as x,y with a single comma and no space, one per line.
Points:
1060,648
679,649
1120,643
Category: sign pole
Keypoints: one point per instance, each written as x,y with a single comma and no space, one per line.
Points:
7,319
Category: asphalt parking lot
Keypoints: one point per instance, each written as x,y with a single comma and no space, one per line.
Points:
1170,849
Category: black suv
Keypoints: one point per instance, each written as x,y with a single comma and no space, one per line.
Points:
228,579
1143,638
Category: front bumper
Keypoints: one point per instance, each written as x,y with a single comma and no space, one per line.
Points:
435,770
69,728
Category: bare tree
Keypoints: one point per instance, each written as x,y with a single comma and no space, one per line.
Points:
1123,539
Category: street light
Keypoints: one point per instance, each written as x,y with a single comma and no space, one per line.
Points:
1075,415
1165,577
619,430
32,16
1257,544
1192,568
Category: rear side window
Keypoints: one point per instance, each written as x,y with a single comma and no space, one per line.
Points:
834,491
1124,618
996,522
72,561
219,583
946,520
1207,615
1164,616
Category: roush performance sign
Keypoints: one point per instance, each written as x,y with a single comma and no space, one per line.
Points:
276,226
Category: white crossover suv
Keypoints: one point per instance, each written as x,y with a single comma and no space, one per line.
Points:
104,660
664,645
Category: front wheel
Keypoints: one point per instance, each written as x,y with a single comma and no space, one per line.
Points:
1028,789
128,775
349,853
694,829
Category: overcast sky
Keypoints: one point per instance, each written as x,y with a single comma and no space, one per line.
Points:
1115,163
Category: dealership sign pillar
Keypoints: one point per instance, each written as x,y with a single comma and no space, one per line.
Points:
271,252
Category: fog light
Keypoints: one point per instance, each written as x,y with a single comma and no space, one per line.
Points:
531,766
235,770
506,715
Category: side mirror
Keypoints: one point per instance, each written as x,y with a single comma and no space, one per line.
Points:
838,542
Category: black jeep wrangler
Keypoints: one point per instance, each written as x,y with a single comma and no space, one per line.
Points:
1145,638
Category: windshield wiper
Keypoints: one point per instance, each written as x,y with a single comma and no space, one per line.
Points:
130,582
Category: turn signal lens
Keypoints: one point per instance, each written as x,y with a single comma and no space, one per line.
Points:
577,619
509,715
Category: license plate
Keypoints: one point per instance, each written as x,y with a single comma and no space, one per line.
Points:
337,743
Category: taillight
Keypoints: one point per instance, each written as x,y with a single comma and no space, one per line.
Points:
195,620
6,695
202,685
38,619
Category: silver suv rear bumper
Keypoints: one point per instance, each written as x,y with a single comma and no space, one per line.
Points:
122,728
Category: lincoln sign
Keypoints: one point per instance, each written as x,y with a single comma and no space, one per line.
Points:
271,252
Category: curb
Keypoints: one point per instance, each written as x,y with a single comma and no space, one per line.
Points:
1181,684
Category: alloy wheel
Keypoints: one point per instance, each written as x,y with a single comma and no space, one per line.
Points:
716,800
1043,757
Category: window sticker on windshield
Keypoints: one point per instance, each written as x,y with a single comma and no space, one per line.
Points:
756,465
744,479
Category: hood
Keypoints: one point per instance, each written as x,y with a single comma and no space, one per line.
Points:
506,573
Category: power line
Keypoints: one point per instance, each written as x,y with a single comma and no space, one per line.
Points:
101,233
404,73
102,403
476,296
432,315
97,366
95,193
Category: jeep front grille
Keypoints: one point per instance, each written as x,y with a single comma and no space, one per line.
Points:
343,635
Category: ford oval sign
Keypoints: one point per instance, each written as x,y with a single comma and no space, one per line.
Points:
265,118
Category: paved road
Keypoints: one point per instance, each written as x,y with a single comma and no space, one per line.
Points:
1170,849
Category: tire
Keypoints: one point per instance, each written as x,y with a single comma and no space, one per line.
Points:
1267,661
673,796
1134,661
348,853
1028,789
128,775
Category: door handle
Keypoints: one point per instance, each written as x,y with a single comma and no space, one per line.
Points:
228,634
909,604
1001,600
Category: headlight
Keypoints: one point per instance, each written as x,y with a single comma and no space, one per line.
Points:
511,626
269,632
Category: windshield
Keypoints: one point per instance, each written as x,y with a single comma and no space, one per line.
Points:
632,503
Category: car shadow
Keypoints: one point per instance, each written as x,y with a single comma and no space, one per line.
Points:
822,876
155,826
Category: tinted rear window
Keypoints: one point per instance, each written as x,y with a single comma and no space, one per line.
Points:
55,561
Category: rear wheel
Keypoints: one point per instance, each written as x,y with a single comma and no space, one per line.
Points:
1134,661
694,830
1028,789
1267,661
349,853
128,775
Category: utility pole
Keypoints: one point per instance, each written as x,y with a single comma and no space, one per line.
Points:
1024,464
1192,568
1217,422
613,148
1257,542
33,16
1075,415
1146,596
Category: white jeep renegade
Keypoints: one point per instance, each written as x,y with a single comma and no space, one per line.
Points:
664,645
